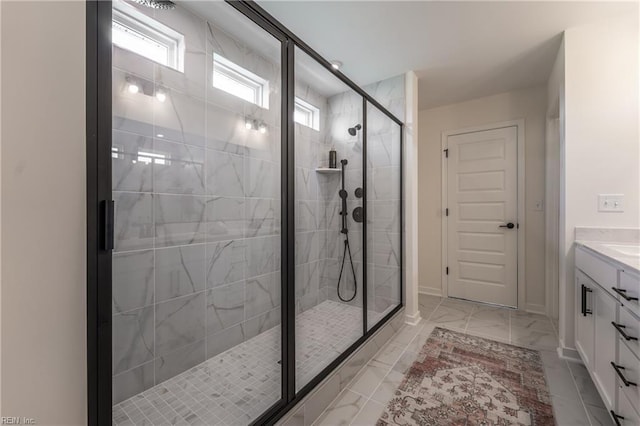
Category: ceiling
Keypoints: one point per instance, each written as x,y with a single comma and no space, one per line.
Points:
460,50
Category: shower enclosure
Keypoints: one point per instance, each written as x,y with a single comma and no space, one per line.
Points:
231,269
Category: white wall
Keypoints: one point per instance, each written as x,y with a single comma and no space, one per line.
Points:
411,199
43,211
528,104
601,149
554,185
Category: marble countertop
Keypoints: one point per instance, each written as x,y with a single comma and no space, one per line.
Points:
628,262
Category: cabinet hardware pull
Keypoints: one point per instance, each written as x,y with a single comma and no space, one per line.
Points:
620,327
585,290
623,293
616,418
624,379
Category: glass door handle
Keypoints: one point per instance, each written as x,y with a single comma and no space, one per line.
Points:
509,225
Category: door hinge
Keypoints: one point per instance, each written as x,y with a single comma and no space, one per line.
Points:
108,224
446,211
447,270
446,153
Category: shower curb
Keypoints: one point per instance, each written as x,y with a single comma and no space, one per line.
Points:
311,407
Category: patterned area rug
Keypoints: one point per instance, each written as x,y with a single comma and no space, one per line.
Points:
459,379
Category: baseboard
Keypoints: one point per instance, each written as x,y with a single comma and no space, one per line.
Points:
413,319
430,291
569,354
536,308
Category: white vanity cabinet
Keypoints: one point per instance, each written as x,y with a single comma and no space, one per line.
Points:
607,329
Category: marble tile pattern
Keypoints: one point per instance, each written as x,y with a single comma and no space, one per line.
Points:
311,152
383,192
197,258
574,397
198,209
237,385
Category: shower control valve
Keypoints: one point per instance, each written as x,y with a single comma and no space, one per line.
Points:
358,214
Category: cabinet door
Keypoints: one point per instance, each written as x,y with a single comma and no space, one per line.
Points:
604,376
625,414
585,324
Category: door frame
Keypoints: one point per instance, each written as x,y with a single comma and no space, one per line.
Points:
519,125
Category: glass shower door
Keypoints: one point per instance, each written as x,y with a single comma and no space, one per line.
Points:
384,201
197,187
328,214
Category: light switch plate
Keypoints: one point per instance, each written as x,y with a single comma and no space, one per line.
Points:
611,203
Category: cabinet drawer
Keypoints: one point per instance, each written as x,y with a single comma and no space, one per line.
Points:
626,415
630,326
629,368
597,269
630,288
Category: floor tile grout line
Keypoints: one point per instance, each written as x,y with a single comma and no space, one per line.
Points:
575,384
352,381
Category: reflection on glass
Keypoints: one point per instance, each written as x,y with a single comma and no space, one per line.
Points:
196,266
384,272
328,283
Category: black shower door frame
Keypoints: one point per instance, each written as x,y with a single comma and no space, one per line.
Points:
100,211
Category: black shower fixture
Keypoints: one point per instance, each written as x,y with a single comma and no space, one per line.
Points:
157,4
353,130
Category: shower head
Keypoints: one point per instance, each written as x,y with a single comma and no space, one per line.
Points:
157,4
353,130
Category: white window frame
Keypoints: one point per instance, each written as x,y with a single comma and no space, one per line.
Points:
242,77
131,19
310,113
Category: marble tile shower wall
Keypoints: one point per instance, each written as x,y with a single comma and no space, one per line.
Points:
311,151
197,256
383,168
344,111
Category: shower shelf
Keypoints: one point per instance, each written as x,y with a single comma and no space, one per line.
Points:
327,170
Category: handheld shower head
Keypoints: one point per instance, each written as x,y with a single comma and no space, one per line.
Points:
353,130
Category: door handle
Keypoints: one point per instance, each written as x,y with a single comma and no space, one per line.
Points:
626,382
620,327
509,225
108,224
585,290
622,292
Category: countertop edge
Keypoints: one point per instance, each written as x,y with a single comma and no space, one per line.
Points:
620,260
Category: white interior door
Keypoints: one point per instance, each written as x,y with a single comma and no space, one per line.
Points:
482,227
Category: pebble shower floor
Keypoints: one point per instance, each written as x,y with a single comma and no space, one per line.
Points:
236,386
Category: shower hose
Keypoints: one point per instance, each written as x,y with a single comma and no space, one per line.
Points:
347,247
347,250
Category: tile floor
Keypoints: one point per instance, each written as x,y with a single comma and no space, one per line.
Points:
236,386
575,399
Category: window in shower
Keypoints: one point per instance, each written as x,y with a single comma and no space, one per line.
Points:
140,34
240,82
306,114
